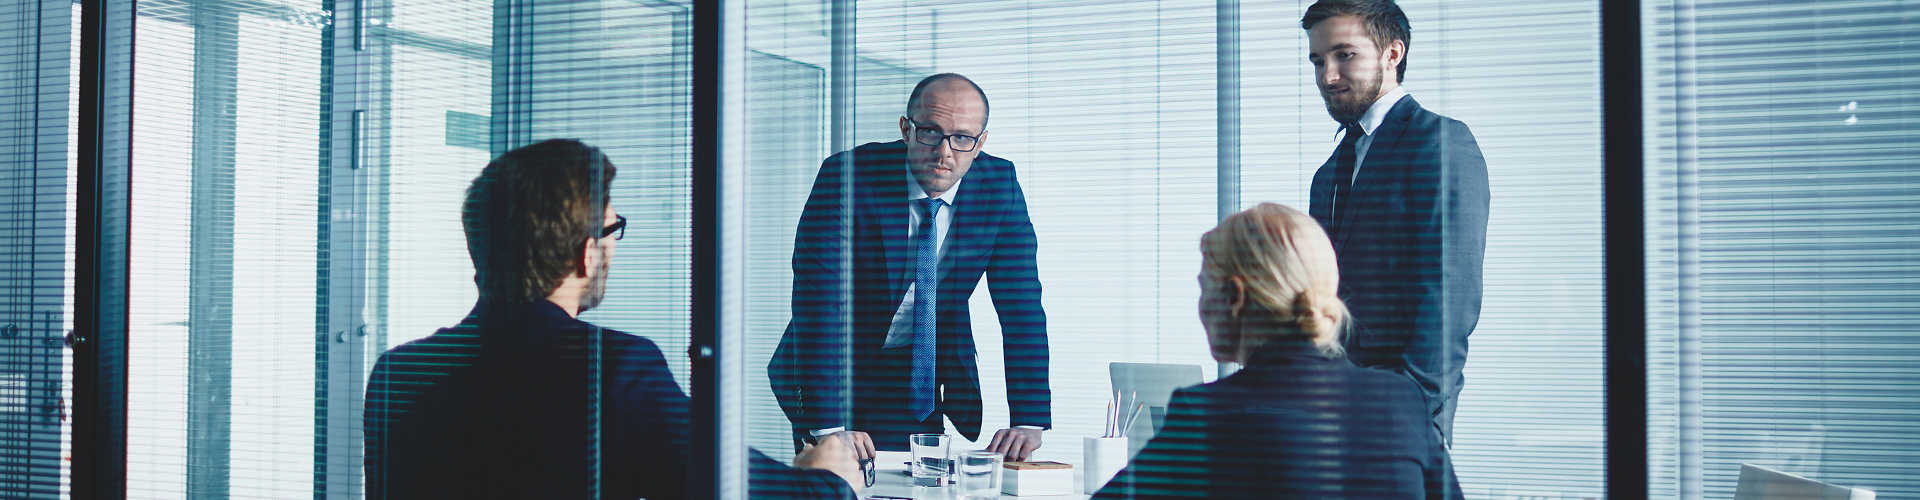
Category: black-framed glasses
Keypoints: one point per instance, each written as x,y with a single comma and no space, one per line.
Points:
617,230
931,137
869,468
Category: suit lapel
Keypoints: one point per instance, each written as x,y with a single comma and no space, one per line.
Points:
887,173
1320,198
1373,167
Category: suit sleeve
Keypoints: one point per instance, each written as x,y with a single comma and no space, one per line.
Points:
808,369
772,479
376,423
1013,279
1450,217
648,427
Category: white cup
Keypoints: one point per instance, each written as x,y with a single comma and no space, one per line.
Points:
1105,457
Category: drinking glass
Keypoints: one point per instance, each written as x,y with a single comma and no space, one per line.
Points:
979,474
930,459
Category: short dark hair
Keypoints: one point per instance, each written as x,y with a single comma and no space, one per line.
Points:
913,100
1384,20
527,214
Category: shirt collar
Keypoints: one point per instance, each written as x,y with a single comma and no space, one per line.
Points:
1370,121
914,192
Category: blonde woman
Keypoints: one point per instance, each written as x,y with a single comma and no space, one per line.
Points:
1298,420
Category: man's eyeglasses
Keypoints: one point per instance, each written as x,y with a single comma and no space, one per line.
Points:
617,230
931,137
868,467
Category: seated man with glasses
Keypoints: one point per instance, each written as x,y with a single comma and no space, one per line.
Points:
503,405
893,241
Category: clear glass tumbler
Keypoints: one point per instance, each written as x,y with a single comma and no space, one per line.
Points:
979,474
930,459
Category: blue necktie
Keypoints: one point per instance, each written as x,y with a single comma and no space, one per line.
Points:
926,283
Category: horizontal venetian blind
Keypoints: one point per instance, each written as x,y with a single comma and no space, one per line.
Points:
1783,173
616,74
225,204
37,116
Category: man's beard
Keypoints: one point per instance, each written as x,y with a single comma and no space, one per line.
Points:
596,289
1350,106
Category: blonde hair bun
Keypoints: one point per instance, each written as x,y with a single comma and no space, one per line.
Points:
1287,264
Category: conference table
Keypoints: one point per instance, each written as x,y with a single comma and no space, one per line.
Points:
891,482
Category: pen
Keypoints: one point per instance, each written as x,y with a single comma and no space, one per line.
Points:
1130,418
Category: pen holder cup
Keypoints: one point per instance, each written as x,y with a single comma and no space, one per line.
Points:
1105,457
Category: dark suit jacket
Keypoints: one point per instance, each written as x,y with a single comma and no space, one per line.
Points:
1410,246
1293,424
499,407
852,262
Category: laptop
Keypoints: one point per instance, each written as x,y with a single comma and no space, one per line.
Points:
1154,383
1761,483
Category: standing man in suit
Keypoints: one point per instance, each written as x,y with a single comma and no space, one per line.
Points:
893,240
1405,197
500,405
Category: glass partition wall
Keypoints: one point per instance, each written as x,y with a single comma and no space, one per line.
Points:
37,127
295,170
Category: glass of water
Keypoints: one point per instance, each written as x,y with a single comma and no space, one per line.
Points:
930,459
979,474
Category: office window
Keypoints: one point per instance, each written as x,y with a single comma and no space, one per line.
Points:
297,181
1781,231
225,204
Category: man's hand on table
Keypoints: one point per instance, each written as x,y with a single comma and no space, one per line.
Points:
862,443
1017,444
835,455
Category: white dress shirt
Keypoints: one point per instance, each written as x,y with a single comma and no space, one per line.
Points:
900,333
1369,123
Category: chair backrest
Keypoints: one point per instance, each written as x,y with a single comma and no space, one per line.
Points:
1154,383
1761,483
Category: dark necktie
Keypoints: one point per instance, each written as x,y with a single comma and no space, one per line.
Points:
1343,160
926,283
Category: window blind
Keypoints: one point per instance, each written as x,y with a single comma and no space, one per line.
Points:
222,277
37,120
1782,228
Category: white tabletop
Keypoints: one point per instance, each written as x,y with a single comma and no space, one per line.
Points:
891,480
